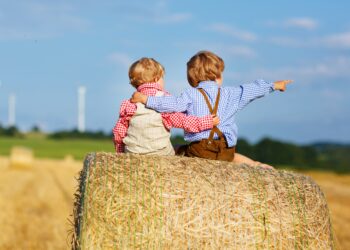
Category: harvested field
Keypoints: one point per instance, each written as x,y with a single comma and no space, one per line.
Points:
36,204
337,191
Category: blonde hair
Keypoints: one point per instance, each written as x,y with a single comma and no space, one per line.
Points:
145,70
204,66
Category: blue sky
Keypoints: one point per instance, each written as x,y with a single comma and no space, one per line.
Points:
49,48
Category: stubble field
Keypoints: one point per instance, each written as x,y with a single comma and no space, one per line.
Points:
36,203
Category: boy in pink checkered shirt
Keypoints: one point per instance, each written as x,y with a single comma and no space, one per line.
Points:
144,131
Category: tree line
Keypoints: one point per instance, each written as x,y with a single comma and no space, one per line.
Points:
320,156
13,131
317,156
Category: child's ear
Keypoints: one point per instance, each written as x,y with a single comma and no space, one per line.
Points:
161,82
219,80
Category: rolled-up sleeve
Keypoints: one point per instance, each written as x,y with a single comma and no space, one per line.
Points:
247,93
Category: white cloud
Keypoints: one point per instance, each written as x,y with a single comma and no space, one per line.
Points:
301,22
171,17
296,22
329,68
287,41
157,12
332,94
238,51
162,14
306,74
232,31
338,40
23,20
121,59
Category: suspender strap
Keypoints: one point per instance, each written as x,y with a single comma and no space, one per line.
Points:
213,112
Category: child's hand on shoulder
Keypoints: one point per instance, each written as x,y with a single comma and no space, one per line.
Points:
216,120
281,85
138,97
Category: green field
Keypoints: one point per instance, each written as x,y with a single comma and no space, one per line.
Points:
49,148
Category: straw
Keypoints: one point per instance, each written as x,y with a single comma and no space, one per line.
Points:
128,201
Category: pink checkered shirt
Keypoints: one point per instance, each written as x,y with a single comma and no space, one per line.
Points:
191,124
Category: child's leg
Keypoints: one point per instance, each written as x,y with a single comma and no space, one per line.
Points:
239,159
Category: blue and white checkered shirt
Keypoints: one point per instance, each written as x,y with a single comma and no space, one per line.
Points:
232,99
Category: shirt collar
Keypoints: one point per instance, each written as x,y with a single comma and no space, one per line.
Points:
149,85
207,84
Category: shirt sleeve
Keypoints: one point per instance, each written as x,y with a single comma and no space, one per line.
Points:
247,93
192,124
169,103
127,110
119,133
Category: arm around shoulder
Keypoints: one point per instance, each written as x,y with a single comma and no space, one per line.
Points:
119,132
126,111
169,103
191,124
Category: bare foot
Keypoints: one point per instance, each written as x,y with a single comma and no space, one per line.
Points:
263,165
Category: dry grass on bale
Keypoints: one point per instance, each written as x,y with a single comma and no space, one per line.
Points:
136,202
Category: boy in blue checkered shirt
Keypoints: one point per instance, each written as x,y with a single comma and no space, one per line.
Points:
204,74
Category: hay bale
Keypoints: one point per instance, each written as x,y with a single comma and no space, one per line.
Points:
130,201
68,159
21,158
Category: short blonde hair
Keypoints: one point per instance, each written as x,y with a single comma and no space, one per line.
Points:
145,70
204,66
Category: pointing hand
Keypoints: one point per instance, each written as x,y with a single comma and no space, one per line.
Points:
281,85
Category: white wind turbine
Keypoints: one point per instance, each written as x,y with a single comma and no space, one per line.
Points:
81,108
12,110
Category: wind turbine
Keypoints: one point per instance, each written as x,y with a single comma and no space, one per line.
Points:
81,108
0,87
12,110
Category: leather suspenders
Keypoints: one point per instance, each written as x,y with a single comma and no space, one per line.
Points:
213,111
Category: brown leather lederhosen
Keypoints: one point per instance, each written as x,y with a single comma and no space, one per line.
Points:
215,149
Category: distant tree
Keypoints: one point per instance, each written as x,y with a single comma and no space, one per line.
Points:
333,156
310,156
288,154
75,134
11,131
35,128
245,148
276,152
